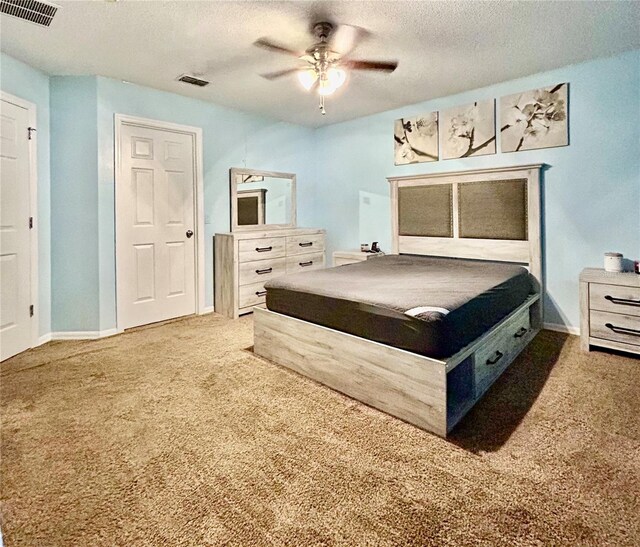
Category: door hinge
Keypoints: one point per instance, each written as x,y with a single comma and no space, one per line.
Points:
30,223
31,310
30,130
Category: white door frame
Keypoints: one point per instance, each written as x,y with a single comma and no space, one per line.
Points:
33,211
198,170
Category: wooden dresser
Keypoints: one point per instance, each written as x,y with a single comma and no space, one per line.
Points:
245,261
610,310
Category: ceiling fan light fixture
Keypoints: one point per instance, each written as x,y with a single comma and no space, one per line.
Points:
337,77
327,61
307,78
331,81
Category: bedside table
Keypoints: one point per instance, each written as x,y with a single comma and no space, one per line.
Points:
340,258
610,310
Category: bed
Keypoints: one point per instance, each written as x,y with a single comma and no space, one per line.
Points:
384,300
423,333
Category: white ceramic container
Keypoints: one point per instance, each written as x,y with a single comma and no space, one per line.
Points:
612,262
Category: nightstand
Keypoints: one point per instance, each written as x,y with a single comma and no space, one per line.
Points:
610,310
340,258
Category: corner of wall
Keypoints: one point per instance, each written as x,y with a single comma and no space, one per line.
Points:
74,204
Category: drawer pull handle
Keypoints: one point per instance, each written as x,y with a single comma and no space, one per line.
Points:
261,293
264,249
305,264
622,330
521,332
265,271
498,355
306,244
625,301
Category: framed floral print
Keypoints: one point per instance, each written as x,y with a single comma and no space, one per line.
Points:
469,130
535,119
416,139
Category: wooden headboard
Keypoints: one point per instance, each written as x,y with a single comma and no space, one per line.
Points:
486,214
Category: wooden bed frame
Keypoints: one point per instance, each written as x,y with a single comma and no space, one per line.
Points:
433,394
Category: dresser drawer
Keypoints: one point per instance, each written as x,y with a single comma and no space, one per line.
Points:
614,298
261,270
260,249
303,263
251,295
506,342
305,244
614,326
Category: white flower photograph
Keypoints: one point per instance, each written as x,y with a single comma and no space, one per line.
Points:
469,130
416,139
535,119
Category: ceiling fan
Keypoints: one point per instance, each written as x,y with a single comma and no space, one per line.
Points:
327,60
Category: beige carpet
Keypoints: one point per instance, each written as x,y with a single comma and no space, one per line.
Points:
175,434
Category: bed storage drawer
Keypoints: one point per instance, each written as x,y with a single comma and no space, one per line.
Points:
261,270
304,263
615,326
260,249
305,244
505,343
614,299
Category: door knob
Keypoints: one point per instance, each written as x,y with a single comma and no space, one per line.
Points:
189,233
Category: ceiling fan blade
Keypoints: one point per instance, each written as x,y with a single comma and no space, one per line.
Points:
270,46
384,66
345,38
279,73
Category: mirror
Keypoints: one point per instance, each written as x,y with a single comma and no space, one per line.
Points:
262,199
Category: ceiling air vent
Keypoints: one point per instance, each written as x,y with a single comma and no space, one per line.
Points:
192,80
34,11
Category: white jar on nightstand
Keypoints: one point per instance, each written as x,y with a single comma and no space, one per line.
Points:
613,262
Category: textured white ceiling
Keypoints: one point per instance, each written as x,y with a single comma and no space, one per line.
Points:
443,47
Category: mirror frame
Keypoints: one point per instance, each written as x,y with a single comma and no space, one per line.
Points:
233,172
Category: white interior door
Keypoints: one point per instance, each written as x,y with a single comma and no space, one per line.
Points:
155,225
15,239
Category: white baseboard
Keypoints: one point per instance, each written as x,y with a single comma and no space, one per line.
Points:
43,340
83,334
562,328
91,334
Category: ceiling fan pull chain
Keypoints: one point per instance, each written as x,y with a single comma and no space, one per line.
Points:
322,105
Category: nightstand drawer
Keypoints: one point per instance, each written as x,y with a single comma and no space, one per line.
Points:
614,326
304,263
614,298
341,258
345,261
261,270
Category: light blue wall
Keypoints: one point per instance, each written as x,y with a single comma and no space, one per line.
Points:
32,85
591,190
83,112
74,204
230,139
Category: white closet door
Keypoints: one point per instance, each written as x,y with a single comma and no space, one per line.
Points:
155,224
15,239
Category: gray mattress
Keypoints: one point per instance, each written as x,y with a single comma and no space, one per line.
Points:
431,306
